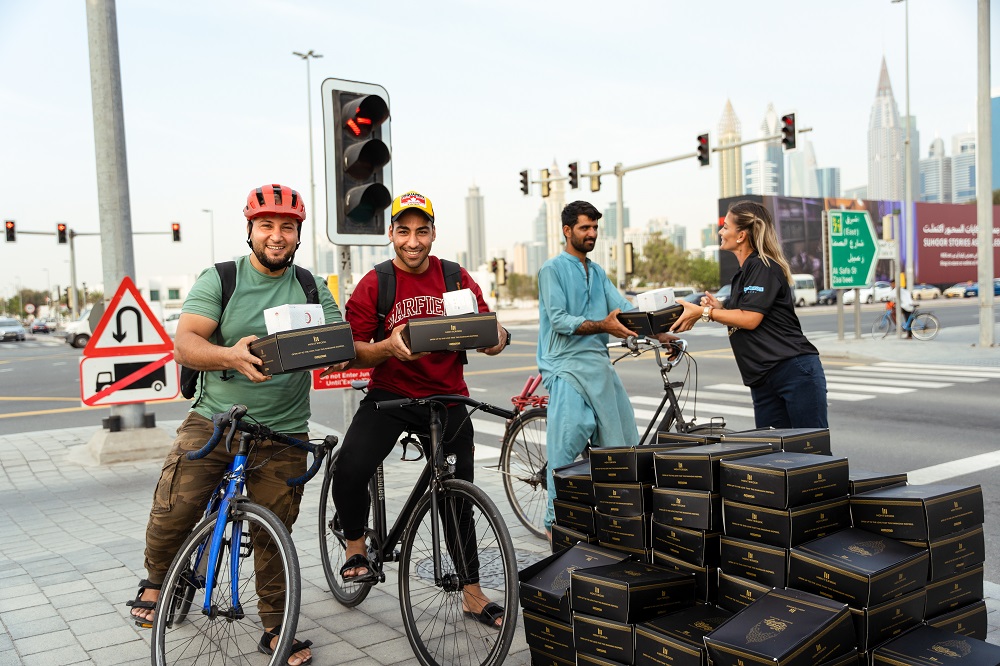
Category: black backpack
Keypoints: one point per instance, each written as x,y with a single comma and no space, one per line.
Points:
387,291
227,273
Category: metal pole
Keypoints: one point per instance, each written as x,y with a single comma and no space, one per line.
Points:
984,178
75,305
307,56
911,226
620,241
211,231
112,170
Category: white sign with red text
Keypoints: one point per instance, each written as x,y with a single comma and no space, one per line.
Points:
339,380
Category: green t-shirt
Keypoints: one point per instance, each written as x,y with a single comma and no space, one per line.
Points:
282,402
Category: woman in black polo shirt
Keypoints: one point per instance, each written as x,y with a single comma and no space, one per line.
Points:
777,362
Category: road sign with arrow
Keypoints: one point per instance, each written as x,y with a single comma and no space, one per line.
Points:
853,249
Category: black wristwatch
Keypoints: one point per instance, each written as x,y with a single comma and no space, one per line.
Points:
506,344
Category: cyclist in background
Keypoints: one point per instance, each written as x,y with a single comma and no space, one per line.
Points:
399,373
211,339
906,307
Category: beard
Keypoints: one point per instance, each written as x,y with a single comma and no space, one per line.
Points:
260,251
583,245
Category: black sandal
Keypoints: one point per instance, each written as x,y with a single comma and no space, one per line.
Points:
489,615
265,645
357,562
143,605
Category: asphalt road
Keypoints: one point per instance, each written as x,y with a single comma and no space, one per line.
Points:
891,420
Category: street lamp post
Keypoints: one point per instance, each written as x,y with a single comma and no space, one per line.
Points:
911,227
211,231
312,180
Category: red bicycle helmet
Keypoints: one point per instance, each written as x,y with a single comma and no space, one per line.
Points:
274,200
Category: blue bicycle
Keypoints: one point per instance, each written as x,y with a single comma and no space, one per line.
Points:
237,563
923,325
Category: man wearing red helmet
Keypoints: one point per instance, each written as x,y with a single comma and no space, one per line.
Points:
215,340
399,373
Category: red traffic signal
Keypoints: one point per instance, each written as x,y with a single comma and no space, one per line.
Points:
788,131
175,230
11,230
574,175
703,150
61,233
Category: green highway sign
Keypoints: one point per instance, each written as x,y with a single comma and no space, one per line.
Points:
853,249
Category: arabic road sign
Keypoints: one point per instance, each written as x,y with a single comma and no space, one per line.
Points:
853,248
128,327
118,380
887,249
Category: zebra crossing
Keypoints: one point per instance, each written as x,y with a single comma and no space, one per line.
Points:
845,385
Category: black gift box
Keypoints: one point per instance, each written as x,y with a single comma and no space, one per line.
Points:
677,639
573,482
862,482
968,620
686,440
623,499
549,638
706,578
786,527
697,467
627,533
452,333
544,585
625,464
784,628
630,591
947,594
784,480
695,546
954,553
694,509
768,565
857,567
604,638
918,512
736,593
878,624
539,658
575,516
564,538
929,646
304,348
584,659
790,440
652,323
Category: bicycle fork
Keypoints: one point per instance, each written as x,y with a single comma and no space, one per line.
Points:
234,487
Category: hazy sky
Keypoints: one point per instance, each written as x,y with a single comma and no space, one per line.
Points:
215,104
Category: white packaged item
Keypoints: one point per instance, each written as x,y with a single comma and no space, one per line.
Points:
292,316
657,299
459,302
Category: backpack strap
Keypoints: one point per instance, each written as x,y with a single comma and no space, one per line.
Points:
386,275
453,282
227,273
308,283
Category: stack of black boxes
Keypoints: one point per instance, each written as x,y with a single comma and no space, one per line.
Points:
574,506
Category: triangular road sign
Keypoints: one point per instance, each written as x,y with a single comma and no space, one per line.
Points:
128,327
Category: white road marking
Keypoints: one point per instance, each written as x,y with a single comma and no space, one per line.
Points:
953,468
921,371
978,370
892,390
882,381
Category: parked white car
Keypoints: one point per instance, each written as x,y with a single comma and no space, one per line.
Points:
881,291
170,324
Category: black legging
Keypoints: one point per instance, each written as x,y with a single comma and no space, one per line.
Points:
371,438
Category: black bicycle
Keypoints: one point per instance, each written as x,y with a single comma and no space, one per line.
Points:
434,565
523,457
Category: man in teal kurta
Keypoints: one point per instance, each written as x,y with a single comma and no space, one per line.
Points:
578,307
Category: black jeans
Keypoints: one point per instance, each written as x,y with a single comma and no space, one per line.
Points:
793,395
371,438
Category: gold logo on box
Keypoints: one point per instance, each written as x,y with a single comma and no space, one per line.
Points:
316,338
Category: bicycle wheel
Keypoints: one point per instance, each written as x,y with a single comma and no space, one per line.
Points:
332,546
925,326
438,630
523,463
229,633
881,327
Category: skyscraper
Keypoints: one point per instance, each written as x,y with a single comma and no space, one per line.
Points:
554,204
935,175
801,172
886,137
766,174
828,180
730,161
914,155
963,167
609,223
475,224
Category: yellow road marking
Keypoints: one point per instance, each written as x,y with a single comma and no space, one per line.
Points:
66,410
40,398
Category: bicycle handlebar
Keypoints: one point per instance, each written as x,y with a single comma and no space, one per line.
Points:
464,399
637,344
231,420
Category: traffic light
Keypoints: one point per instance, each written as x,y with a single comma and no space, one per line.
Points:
595,181
61,233
11,230
788,131
629,259
543,176
703,150
493,266
175,229
359,176
574,175
501,271
525,187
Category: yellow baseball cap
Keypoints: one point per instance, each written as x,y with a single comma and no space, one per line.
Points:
412,200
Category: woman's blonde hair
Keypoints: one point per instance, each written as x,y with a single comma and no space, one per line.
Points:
754,219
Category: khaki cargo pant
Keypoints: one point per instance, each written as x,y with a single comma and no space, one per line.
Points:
182,494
